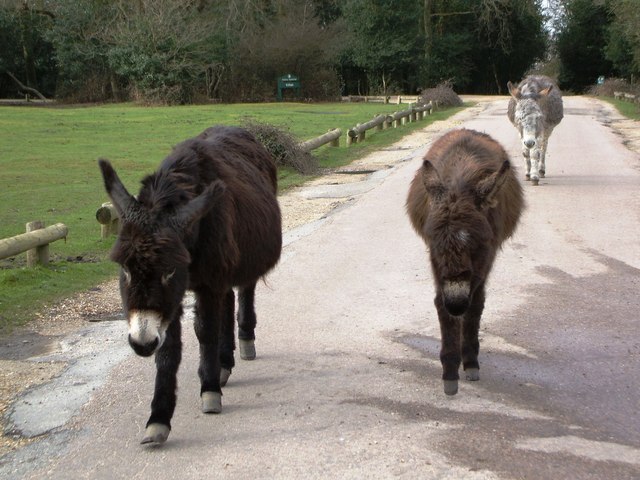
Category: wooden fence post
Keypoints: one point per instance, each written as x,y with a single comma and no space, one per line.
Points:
108,218
38,254
380,126
34,242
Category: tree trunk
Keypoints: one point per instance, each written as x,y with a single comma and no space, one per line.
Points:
428,28
26,25
24,88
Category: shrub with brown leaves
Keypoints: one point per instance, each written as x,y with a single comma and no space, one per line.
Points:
283,146
442,96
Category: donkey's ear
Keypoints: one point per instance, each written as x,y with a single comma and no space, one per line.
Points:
545,91
432,181
489,187
513,90
200,206
120,197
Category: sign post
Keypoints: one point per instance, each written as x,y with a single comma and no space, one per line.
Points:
289,81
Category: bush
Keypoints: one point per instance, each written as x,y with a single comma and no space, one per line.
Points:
442,96
283,146
611,85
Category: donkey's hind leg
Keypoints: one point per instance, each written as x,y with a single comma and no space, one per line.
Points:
247,321
543,156
227,338
209,314
470,328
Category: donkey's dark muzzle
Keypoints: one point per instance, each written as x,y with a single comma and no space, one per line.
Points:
144,350
456,297
456,306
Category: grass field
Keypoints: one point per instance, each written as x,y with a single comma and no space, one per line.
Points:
626,108
49,172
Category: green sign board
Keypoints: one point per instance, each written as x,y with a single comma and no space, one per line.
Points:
289,82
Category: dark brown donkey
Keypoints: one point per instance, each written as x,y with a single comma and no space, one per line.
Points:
206,220
464,202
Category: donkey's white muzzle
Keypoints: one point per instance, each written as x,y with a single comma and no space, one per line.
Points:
146,332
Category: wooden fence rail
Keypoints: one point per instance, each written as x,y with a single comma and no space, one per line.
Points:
332,137
394,99
358,133
35,242
412,114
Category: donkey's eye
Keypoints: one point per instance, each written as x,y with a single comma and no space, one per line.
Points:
167,276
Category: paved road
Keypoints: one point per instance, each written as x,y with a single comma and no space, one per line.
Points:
347,383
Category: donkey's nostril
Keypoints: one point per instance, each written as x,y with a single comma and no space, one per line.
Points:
144,350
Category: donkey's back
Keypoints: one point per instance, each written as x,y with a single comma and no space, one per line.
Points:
225,247
550,103
229,154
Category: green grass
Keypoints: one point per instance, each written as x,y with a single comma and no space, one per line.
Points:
628,109
49,172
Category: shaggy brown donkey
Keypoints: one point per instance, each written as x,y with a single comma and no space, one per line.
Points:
464,202
206,220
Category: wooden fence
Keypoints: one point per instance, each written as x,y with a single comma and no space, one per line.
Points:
630,97
379,122
412,114
359,132
35,242
393,99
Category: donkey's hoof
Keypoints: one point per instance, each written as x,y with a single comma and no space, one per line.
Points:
156,433
473,374
225,373
527,176
541,173
535,181
247,349
450,386
211,402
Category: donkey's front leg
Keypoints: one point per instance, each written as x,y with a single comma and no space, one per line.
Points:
527,162
163,404
450,347
247,322
470,328
535,157
209,308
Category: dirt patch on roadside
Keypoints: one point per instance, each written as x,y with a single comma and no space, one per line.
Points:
628,129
